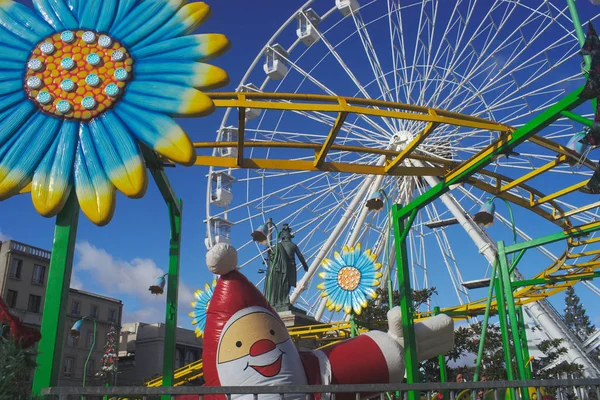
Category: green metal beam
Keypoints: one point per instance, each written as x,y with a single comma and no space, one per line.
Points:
57,293
523,334
484,324
577,118
544,119
512,316
160,177
172,296
442,363
406,307
554,237
501,307
555,279
579,30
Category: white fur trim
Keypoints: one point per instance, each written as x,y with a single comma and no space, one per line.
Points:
221,258
325,367
393,353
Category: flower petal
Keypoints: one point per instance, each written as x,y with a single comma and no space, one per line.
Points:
144,19
22,22
10,39
8,87
186,73
11,99
53,178
193,47
168,98
57,13
20,160
13,118
95,193
185,21
158,131
11,53
98,15
124,7
11,65
76,7
120,155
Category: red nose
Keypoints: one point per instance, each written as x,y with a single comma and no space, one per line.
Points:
261,347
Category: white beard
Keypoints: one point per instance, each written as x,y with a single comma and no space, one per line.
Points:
241,373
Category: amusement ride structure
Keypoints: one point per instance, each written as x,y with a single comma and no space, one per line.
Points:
429,109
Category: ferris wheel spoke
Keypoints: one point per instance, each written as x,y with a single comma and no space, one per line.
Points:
371,55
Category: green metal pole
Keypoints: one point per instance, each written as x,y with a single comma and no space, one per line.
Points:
352,325
501,305
484,324
55,302
172,295
524,344
390,289
512,316
442,363
579,30
404,288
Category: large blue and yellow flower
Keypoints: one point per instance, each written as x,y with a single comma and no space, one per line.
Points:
201,306
83,81
349,279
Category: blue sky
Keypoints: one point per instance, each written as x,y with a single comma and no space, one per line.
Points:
122,259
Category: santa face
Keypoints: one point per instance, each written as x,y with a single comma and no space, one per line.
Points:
255,349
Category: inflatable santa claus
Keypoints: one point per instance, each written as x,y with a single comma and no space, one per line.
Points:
247,344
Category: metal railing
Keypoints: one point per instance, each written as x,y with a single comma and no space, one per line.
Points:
582,388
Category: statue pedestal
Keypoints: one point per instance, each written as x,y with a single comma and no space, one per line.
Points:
293,317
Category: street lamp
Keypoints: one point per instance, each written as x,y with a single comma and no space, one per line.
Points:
76,332
485,215
159,285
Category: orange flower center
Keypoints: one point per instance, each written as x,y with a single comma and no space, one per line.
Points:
348,278
77,74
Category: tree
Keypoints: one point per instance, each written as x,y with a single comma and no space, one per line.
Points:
16,366
543,367
109,367
576,316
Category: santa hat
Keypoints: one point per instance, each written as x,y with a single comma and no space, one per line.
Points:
233,293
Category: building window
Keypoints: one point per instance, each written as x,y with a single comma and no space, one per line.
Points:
68,366
94,311
75,308
11,298
15,268
72,340
190,357
178,358
112,315
39,273
91,368
90,340
34,303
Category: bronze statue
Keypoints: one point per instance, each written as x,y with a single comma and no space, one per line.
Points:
282,275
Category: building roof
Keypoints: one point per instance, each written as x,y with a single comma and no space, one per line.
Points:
95,295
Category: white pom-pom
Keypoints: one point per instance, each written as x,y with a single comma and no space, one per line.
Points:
221,259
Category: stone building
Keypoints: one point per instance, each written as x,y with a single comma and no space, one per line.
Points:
23,279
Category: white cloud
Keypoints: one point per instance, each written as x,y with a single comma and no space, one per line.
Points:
76,282
3,236
128,281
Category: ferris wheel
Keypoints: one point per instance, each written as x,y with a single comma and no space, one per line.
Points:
501,60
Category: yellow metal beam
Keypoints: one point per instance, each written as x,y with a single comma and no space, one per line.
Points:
576,210
362,107
411,146
317,147
530,175
300,165
320,156
558,194
584,254
560,150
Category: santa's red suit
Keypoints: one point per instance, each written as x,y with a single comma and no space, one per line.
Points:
247,344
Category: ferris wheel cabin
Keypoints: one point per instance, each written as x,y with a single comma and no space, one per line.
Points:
275,64
308,26
347,7
251,113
